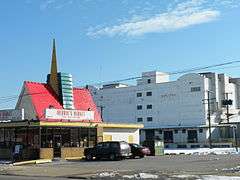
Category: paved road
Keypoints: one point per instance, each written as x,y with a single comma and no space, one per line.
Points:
164,165
5,177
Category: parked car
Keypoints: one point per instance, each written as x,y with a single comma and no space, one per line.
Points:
112,150
138,150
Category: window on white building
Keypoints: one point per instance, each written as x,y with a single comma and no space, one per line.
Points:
149,118
149,93
149,106
139,107
175,131
139,119
149,81
139,94
195,89
184,131
200,130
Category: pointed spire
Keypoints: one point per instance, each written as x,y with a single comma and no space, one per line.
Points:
53,80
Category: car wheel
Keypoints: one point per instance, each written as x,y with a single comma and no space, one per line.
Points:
89,157
112,157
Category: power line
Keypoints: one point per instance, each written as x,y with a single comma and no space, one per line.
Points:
171,73
9,98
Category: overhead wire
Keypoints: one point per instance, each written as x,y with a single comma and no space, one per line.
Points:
170,73
10,98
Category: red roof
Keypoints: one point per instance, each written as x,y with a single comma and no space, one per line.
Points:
42,96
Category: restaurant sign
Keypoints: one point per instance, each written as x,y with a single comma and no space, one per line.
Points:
73,115
12,114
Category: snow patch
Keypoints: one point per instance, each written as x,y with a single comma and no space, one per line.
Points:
202,151
185,176
5,162
234,169
107,174
211,177
141,176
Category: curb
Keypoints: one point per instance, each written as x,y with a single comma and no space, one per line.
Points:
74,158
39,161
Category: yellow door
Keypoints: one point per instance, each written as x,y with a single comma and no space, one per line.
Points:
130,139
107,137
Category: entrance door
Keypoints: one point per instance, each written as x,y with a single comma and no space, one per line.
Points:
149,134
192,136
57,139
168,136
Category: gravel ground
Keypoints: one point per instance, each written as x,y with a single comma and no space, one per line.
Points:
192,166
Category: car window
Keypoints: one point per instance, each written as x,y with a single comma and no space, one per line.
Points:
114,145
105,145
136,145
100,145
124,145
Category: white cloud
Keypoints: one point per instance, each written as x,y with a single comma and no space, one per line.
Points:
55,4
46,4
183,15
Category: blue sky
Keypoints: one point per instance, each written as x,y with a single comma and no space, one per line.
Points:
104,40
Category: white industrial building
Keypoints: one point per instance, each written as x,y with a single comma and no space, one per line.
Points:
175,111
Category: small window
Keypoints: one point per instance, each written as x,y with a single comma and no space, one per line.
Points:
201,130
160,131
149,118
139,107
139,119
194,89
149,93
139,94
175,131
149,81
149,106
184,131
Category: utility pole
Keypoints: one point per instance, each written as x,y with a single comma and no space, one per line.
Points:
101,111
209,119
209,116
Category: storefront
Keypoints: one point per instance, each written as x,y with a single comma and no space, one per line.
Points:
46,140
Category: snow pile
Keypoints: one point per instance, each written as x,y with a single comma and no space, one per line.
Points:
202,151
107,174
141,176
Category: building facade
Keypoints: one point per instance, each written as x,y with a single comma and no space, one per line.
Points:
177,112
55,119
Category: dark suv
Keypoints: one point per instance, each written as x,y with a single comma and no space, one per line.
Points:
112,150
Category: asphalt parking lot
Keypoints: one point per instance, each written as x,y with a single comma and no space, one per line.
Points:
163,166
